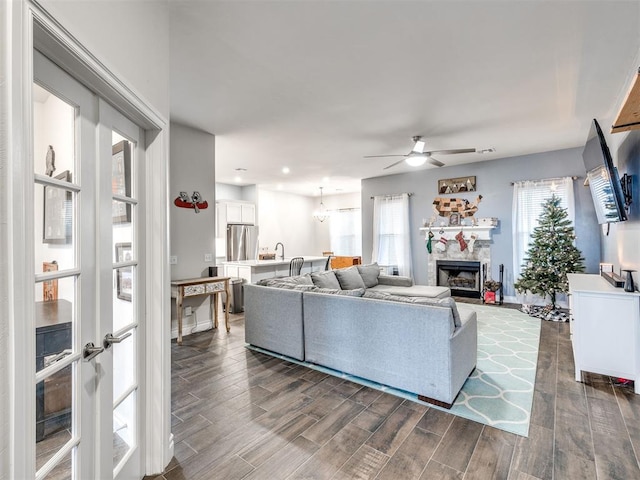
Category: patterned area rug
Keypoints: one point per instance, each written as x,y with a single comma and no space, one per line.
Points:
499,392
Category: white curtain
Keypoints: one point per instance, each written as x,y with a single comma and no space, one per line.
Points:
391,236
345,232
528,197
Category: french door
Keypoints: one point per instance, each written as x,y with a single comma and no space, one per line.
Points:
88,222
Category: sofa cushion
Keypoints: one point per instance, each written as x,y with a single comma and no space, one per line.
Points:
369,274
356,292
349,278
442,302
447,302
325,279
414,291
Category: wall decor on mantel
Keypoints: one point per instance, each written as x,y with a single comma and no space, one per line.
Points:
457,185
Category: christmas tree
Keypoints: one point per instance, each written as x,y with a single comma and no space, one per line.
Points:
551,255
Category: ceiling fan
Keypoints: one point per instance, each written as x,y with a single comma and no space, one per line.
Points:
417,156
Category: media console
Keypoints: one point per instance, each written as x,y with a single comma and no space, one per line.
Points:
605,328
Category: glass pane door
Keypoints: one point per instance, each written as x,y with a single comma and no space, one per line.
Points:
63,131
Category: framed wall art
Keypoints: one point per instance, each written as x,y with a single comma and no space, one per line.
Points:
57,212
121,180
124,275
457,185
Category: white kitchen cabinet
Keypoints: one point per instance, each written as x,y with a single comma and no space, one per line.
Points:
234,212
605,328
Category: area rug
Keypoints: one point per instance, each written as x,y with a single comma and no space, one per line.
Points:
499,392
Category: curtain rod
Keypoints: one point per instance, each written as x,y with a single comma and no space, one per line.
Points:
574,177
392,195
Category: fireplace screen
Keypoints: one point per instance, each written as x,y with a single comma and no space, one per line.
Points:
462,277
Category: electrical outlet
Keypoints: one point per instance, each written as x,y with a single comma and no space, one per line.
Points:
173,260
187,311
208,257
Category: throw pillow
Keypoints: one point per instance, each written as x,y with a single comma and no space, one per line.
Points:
325,279
349,278
302,279
356,292
369,274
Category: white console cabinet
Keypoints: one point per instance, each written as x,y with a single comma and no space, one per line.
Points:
605,327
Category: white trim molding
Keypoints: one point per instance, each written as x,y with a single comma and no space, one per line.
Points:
481,232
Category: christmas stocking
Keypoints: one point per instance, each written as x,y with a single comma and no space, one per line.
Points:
441,246
461,241
429,237
470,243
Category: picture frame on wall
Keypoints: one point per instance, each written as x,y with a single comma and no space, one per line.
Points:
121,180
124,275
457,185
57,212
454,219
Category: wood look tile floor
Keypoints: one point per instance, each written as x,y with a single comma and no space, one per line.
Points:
239,414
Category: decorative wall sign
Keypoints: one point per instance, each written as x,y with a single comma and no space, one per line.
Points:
457,185
124,275
121,180
57,211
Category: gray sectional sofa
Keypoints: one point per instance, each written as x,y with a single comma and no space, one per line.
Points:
387,330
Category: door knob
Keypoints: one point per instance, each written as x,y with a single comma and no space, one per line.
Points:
109,339
90,351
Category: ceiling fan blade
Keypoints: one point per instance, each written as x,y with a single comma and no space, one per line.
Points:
435,162
382,156
394,164
450,152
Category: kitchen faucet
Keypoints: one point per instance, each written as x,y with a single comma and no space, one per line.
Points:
276,249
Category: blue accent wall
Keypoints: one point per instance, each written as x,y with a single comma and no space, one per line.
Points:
494,184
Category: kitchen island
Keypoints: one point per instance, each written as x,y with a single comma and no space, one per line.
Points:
254,270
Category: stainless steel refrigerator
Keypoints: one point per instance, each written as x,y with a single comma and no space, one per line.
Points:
242,242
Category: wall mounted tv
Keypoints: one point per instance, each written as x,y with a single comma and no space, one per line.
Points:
604,182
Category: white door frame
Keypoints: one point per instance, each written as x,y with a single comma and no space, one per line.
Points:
25,25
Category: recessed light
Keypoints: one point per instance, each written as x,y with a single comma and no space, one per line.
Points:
238,179
326,179
285,170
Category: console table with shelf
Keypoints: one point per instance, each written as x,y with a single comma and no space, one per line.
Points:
605,328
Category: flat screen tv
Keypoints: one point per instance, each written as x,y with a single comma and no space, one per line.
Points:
604,182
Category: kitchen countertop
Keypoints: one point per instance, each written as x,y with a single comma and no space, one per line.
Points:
268,263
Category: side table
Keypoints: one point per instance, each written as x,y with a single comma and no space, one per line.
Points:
212,286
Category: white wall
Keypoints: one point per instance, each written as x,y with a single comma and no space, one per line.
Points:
287,218
130,37
192,168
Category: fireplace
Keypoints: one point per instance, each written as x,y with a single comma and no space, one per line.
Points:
462,277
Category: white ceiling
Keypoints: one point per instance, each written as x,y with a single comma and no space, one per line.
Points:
316,85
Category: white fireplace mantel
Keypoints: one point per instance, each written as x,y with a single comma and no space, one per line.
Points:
482,232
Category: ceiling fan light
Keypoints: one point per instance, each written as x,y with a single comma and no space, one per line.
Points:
416,160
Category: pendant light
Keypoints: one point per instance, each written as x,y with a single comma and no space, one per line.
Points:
322,213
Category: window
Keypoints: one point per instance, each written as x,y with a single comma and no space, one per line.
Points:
345,231
528,197
391,240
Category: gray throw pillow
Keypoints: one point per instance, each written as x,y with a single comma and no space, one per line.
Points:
356,292
369,274
325,279
349,278
302,279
